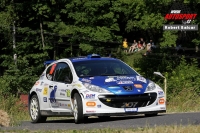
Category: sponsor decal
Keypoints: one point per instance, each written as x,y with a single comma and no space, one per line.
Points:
55,104
91,104
68,105
68,93
162,108
52,69
62,94
52,94
124,82
91,78
90,111
41,83
140,78
125,78
161,101
138,85
45,91
63,90
119,91
86,80
99,106
110,80
130,109
90,96
138,90
37,83
45,99
160,93
78,85
37,89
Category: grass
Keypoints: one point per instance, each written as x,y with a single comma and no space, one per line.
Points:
156,129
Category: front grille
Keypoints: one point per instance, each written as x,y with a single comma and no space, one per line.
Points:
128,101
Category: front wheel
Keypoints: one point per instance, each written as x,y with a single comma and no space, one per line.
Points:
34,110
78,109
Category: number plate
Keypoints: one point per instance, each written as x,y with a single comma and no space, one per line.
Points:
131,109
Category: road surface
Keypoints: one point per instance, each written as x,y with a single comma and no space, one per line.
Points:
115,122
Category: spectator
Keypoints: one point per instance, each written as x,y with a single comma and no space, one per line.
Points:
125,45
152,44
142,42
140,46
133,47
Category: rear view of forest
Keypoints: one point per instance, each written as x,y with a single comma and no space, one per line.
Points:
37,30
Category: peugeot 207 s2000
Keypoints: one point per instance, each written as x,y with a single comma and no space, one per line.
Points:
93,86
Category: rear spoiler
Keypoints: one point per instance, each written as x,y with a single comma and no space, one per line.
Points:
46,63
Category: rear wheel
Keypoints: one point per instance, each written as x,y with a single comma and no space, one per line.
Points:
78,109
150,115
34,110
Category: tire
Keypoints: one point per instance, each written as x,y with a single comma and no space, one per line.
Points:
78,109
150,115
34,110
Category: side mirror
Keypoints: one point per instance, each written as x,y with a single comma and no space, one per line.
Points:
159,74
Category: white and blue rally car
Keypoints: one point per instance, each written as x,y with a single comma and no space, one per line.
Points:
93,86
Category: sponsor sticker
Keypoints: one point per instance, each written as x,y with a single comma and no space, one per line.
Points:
90,96
86,80
110,80
130,109
161,101
62,94
90,111
45,91
160,93
37,89
124,82
45,99
138,85
68,93
99,106
142,79
91,104
37,83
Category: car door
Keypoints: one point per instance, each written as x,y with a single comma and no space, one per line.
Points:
61,84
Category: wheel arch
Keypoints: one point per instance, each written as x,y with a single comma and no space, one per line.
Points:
30,95
72,95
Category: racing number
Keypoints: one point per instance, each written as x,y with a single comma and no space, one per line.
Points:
68,93
45,91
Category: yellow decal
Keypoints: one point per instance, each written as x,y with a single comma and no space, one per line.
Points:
68,93
68,105
45,91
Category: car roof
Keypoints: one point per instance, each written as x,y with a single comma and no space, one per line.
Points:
78,59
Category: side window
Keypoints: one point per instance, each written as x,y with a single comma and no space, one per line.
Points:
50,71
63,73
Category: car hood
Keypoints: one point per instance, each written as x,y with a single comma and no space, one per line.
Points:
119,85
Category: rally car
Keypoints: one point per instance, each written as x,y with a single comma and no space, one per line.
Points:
93,86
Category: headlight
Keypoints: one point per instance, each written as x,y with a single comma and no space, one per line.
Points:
151,86
95,88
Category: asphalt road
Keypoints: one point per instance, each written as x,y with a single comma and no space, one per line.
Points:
115,122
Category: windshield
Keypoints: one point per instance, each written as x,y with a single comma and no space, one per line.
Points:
102,68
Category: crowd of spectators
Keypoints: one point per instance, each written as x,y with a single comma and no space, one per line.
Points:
139,45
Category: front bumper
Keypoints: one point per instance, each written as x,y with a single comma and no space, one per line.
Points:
108,105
